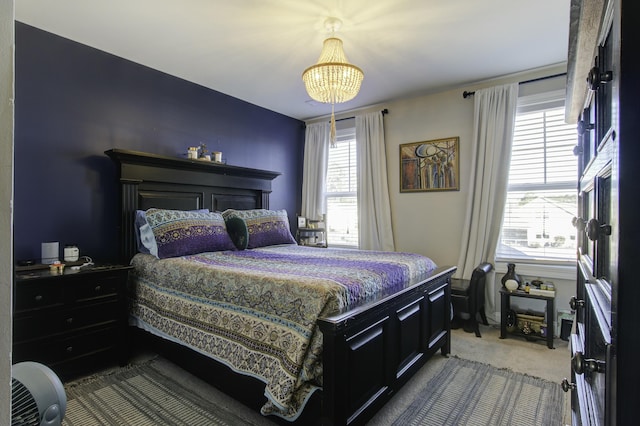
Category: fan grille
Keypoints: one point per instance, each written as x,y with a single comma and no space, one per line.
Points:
24,411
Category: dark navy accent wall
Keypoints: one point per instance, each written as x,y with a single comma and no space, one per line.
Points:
73,102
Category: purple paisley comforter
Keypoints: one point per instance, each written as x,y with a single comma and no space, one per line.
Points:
256,310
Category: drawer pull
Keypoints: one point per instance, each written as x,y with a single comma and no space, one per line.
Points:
69,320
69,349
98,288
580,364
567,386
39,298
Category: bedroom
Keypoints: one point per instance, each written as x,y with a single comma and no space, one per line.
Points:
70,84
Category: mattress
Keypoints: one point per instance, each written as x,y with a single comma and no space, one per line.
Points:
256,310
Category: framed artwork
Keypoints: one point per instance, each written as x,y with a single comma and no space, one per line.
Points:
430,165
302,222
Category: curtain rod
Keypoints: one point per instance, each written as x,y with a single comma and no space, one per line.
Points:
466,94
384,112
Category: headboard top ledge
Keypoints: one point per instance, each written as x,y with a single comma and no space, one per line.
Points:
125,156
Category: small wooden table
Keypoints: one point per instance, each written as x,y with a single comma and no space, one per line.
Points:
505,307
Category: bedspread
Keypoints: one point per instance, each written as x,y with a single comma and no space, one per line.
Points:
256,310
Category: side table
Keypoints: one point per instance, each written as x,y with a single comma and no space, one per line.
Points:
505,307
73,321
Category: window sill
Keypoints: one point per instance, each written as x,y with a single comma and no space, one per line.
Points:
546,270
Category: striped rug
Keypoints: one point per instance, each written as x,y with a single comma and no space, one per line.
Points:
152,393
458,392
470,393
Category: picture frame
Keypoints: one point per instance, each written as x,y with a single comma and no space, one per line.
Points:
302,222
430,165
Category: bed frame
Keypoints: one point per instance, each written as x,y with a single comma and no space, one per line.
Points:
369,352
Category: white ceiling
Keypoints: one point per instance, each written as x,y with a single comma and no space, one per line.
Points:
256,50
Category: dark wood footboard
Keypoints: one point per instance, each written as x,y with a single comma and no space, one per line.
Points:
369,353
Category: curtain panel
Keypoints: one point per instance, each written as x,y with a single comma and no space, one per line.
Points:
494,119
314,176
374,210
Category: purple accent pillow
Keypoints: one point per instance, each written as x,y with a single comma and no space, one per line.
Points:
145,240
265,227
180,233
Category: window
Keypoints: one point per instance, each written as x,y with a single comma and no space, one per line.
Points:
541,196
342,190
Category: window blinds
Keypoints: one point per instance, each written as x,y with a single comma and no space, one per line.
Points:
541,198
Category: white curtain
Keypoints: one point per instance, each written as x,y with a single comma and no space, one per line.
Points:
374,211
494,118
316,154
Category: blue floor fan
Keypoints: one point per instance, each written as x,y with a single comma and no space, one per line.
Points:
37,396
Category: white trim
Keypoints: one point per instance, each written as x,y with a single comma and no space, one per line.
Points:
541,101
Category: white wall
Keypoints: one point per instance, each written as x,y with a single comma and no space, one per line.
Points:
430,223
6,197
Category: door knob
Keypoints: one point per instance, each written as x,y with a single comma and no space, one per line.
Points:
581,364
595,229
584,126
567,386
579,223
575,303
596,78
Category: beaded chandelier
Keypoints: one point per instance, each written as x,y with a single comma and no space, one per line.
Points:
332,79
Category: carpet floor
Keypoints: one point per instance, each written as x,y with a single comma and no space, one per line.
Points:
154,392
470,393
457,392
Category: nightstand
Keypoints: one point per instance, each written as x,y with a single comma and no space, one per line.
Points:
74,321
313,237
505,308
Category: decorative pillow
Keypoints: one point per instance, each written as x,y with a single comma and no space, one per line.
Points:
237,229
180,233
145,240
265,227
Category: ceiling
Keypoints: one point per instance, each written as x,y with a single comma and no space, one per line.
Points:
256,50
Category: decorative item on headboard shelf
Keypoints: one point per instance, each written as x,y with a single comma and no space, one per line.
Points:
192,153
204,153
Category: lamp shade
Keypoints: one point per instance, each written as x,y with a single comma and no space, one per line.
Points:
332,79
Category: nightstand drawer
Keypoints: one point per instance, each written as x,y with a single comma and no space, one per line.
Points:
33,295
54,350
96,288
34,326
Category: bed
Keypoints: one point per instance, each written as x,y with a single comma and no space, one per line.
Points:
351,345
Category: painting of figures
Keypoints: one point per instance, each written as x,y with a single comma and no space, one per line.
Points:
430,165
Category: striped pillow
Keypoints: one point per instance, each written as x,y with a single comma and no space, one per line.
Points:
265,227
180,233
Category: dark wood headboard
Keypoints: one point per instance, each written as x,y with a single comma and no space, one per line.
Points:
150,180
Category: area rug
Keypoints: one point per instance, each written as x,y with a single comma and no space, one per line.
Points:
454,392
153,392
465,392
